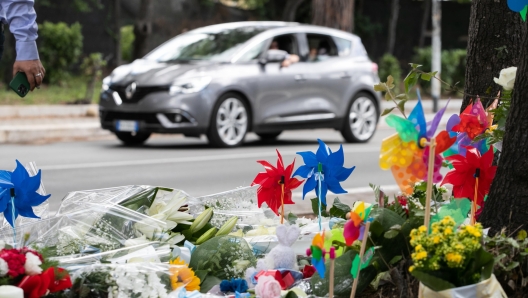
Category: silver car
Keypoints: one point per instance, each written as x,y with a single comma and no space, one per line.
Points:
228,79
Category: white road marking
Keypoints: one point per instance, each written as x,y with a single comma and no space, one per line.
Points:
125,163
355,190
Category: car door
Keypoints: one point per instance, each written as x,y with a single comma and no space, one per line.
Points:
283,92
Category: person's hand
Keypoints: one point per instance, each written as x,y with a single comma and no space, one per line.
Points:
285,63
33,69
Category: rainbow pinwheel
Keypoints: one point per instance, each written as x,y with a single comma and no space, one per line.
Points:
519,6
276,184
324,171
18,193
317,252
405,152
472,175
472,122
354,228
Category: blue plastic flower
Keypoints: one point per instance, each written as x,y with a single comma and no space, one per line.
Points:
324,166
23,188
235,285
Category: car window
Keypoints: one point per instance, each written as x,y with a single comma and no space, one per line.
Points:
214,46
321,47
254,52
344,46
286,42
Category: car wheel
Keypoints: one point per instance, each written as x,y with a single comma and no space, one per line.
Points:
361,120
269,136
229,123
132,139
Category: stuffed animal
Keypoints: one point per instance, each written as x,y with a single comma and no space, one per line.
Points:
282,256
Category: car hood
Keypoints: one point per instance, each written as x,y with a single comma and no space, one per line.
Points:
152,73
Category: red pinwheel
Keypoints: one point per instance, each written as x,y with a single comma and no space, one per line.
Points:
472,175
276,185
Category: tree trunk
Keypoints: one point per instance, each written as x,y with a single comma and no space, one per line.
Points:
143,28
393,24
290,9
337,14
507,204
425,20
117,35
495,35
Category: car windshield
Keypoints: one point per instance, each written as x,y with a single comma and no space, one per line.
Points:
212,46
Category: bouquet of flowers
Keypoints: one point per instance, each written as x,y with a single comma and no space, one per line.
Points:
29,270
446,258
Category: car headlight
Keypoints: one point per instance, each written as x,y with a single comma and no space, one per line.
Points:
191,85
106,83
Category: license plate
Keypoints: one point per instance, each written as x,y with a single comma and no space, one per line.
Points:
126,125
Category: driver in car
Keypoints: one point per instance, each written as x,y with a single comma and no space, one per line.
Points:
290,58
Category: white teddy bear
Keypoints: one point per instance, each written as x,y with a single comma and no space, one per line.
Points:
282,256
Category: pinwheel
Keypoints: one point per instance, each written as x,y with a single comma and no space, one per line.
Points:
472,122
324,171
519,6
18,193
317,252
405,152
471,177
276,185
355,227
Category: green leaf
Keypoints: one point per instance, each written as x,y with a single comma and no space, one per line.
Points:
401,104
395,260
414,65
339,209
201,274
387,111
315,207
387,96
381,87
209,282
426,77
402,96
512,266
292,218
432,282
390,82
291,294
521,235
390,234
513,243
410,80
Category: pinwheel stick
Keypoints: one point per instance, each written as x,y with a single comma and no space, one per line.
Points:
320,170
475,196
429,190
332,264
361,253
12,192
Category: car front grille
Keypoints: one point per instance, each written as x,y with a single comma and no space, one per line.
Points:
140,93
110,116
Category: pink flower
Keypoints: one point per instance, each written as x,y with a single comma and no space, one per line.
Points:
268,287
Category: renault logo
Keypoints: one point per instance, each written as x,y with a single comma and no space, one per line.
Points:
130,90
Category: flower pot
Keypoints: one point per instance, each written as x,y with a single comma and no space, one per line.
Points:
489,288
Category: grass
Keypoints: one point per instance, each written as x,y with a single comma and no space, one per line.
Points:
69,91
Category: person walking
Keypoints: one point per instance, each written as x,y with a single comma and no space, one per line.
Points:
21,17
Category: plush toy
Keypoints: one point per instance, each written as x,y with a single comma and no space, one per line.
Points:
282,256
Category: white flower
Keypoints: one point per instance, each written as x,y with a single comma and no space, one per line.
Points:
241,265
507,78
3,267
136,241
32,265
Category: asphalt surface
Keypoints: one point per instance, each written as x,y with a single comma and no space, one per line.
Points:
184,163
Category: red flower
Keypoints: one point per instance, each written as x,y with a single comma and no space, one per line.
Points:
36,286
465,169
402,200
15,261
308,271
270,189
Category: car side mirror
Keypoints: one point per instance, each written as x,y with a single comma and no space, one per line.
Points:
274,56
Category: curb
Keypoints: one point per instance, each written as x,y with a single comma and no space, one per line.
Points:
46,111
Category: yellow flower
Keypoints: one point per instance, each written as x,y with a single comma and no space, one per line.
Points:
420,255
419,247
183,276
422,229
411,268
473,231
454,258
448,231
436,239
435,230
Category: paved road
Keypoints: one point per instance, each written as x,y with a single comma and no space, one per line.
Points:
184,163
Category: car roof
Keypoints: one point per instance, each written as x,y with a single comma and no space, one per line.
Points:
275,27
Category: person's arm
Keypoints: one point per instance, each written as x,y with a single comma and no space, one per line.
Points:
21,17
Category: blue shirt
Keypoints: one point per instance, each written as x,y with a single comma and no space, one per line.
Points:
21,17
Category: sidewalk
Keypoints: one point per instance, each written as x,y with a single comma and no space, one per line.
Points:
42,124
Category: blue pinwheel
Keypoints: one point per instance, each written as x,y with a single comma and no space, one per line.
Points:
519,6
18,193
323,169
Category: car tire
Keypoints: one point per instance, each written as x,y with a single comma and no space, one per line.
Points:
269,136
361,120
229,121
130,139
